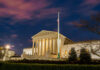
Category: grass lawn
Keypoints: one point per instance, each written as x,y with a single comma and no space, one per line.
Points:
35,66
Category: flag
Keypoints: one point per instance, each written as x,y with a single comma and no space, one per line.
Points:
58,18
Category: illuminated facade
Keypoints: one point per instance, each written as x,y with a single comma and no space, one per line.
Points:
45,46
27,53
92,46
9,53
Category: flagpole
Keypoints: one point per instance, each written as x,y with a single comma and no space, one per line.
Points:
58,21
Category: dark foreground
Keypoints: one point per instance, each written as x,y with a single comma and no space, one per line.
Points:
36,66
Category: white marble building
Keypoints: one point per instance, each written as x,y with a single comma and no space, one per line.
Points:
27,52
92,46
45,46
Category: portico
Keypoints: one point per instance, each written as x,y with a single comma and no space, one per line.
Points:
45,44
42,47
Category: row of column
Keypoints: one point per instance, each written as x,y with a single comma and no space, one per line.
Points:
43,47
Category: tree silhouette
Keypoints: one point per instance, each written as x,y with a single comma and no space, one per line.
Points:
85,56
72,55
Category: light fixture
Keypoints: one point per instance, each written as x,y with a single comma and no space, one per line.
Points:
7,46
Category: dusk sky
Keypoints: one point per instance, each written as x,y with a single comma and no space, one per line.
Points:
21,19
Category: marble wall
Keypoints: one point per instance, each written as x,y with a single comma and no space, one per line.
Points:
92,47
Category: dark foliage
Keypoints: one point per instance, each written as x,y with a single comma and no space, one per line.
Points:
39,61
23,66
51,62
72,56
85,56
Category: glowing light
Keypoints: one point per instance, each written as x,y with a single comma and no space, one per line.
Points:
7,46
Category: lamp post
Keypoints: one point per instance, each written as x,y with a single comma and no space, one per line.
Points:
7,47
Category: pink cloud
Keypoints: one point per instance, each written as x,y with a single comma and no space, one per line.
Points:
92,2
48,12
75,23
20,9
86,8
14,36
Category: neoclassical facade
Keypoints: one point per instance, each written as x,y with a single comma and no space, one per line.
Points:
45,46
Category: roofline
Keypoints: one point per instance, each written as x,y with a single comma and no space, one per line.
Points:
87,41
49,31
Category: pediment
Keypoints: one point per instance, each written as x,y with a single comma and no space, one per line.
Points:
47,33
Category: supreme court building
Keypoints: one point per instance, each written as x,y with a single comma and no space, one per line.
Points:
45,46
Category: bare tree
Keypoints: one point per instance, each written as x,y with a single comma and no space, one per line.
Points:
95,50
92,25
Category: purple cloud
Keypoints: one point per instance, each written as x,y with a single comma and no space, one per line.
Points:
86,7
47,12
14,36
75,23
23,9
92,2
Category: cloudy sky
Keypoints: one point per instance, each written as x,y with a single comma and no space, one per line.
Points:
21,19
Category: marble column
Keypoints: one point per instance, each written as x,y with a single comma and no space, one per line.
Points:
38,47
40,52
53,46
41,47
46,45
33,49
50,45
